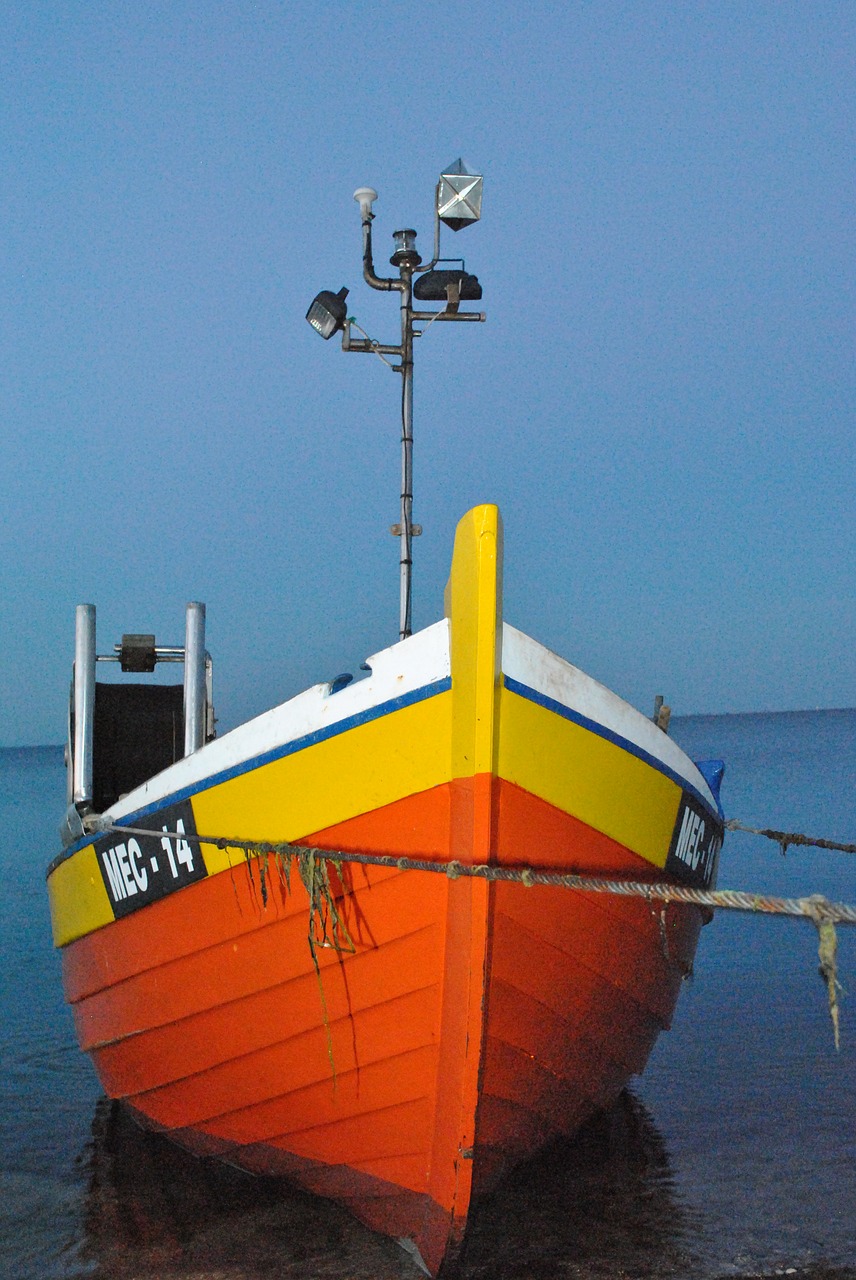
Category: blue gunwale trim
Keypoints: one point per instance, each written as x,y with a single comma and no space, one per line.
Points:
593,726
267,757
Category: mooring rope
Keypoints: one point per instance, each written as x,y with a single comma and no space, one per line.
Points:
813,907
787,838
823,914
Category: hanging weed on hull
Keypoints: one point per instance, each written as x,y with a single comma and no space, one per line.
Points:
327,927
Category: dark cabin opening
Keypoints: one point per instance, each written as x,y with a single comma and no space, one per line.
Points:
138,730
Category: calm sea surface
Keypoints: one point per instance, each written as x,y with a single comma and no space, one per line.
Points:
735,1154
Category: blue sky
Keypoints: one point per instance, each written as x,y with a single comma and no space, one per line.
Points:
661,401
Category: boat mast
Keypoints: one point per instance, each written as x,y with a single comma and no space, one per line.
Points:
458,204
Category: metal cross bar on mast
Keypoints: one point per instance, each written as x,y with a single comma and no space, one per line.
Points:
458,202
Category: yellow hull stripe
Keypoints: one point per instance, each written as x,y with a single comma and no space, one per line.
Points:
371,765
587,776
374,764
78,900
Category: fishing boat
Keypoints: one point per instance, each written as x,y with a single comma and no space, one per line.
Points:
399,1042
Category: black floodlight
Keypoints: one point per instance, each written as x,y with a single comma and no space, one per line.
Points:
459,196
434,286
328,312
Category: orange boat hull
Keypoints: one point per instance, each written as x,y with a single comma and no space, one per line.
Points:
467,1022
204,1014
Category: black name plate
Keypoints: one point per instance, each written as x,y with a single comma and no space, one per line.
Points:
139,869
696,842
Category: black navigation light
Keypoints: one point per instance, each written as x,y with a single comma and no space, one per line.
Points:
328,312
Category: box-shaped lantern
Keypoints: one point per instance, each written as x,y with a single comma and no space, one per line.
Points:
459,196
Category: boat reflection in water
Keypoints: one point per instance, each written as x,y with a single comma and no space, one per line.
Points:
603,1204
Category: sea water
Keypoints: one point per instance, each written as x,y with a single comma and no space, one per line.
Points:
734,1155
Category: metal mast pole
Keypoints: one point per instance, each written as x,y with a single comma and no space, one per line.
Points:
407,259
406,529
